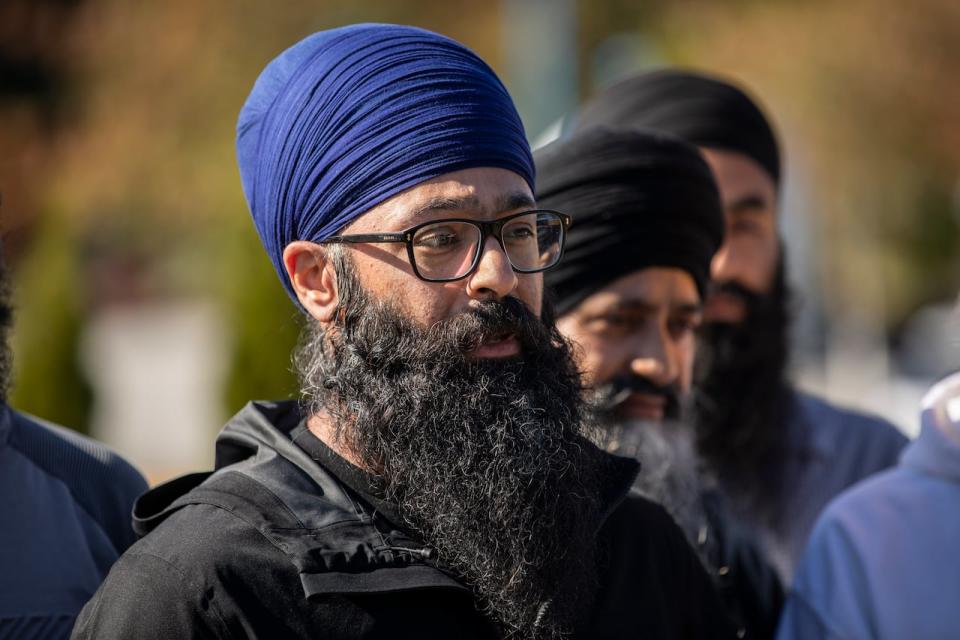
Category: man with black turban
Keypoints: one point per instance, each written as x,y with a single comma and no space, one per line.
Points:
779,454
628,294
435,480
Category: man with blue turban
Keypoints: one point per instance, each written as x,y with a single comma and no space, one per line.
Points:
436,479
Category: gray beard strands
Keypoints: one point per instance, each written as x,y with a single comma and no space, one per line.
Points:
670,471
485,460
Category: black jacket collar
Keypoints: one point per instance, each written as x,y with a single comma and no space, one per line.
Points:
339,543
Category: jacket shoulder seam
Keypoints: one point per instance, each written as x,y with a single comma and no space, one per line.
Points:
238,515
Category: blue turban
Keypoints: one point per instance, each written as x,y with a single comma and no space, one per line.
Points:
347,118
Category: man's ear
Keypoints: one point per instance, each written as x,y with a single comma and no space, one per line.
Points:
312,276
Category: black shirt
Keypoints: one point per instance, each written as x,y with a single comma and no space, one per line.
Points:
354,478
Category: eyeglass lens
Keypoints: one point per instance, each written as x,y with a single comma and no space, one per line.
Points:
447,250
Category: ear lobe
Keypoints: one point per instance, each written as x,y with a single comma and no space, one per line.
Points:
313,279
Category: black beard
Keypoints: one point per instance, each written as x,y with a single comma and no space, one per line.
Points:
743,398
6,325
485,460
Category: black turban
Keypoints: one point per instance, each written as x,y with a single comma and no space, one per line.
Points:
700,109
638,200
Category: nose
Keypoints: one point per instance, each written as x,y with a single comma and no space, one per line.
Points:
494,278
653,361
724,267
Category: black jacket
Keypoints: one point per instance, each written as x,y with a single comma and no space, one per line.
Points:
274,544
748,585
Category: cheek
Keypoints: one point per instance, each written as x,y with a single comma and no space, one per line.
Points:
768,253
428,304
599,360
530,291
686,351
757,260
423,302
584,348
609,361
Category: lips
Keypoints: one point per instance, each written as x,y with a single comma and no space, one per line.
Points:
644,406
724,307
503,345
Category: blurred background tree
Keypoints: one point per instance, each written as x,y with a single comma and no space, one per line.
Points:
117,124
37,92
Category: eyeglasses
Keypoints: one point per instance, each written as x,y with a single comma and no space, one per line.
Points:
450,249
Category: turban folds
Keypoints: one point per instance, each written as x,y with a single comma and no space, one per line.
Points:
638,200
701,109
347,118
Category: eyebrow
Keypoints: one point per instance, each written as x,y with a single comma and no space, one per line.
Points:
472,204
515,200
751,203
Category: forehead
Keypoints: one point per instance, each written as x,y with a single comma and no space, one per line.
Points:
471,193
654,287
739,176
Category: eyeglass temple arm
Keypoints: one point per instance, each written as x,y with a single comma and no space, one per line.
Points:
368,237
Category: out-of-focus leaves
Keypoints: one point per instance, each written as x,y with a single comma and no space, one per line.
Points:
147,95
48,380
263,320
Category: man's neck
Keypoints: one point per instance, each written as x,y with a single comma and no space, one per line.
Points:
322,426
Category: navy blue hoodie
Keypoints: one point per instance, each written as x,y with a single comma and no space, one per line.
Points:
65,508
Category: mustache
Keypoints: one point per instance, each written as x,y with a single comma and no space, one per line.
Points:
616,392
735,289
493,319
446,341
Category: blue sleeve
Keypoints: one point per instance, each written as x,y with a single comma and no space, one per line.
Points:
801,622
102,482
830,595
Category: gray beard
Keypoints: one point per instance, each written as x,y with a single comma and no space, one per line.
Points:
669,468
486,461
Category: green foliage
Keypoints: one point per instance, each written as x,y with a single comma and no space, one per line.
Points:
146,164
48,380
264,322
927,238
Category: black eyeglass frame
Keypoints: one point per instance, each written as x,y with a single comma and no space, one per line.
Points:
487,228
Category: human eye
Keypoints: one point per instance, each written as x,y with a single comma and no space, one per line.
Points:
749,221
745,226
611,324
438,238
681,327
520,231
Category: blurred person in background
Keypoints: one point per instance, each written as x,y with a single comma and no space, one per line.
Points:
65,506
435,480
778,453
628,295
881,562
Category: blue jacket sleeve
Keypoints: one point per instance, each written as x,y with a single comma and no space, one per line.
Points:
830,593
